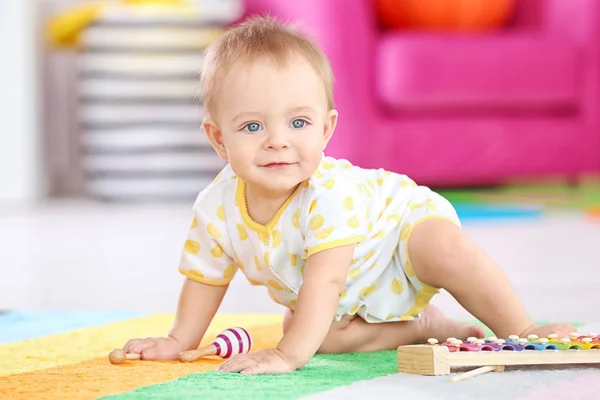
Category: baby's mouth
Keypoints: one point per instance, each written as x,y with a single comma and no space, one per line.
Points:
277,165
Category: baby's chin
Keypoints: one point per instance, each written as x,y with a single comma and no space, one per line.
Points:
280,184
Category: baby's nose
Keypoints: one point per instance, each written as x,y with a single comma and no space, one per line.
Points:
276,139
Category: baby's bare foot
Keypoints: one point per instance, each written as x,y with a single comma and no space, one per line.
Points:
436,325
562,330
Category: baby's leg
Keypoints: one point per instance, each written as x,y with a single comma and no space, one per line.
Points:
353,334
443,256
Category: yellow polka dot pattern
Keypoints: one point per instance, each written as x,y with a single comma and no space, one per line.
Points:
329,184
379,235
242,233
349,203
316,222
327,165
257,263
221,213
195,275
229,272
276,239
397,286
192,247
275,285
355,273
366,291
264,238
217,251
353,223
374,211
213,231
324,234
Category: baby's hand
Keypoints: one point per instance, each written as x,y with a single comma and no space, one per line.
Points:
260,362
160,348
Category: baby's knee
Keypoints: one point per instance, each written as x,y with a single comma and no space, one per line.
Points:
337,340
437,258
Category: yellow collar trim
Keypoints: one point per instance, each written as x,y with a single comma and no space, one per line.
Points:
240,196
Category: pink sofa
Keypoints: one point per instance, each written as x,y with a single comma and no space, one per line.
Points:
462,109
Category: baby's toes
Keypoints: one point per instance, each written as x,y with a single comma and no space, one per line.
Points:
563,330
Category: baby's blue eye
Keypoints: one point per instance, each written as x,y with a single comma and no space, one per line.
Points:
252,127
298,123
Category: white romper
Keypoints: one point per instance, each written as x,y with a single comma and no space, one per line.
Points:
340,204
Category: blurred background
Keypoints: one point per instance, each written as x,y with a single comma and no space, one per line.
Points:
494,103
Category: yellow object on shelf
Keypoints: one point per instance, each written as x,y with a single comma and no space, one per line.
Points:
64,30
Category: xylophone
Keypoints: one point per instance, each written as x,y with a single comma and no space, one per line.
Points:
228,343
493,354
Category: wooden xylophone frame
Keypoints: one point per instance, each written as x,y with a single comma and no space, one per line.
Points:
439,360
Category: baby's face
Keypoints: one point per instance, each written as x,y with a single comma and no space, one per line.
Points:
273,122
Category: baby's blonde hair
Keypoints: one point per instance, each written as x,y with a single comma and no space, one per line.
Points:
259,37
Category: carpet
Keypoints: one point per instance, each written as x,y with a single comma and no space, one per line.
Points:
64,356
528,199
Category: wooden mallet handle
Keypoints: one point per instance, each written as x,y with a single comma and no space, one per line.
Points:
476,372
193,355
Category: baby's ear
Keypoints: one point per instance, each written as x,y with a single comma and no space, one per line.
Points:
330,124
213,132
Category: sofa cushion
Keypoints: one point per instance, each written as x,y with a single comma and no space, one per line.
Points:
517,72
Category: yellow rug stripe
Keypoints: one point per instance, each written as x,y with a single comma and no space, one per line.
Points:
97,377
87,343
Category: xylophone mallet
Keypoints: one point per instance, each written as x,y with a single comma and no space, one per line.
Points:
118,356
228,343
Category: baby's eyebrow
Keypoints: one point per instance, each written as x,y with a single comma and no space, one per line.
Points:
301,109
246,115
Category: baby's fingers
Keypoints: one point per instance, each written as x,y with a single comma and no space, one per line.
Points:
237,363
257,368
130,343
142,345
155,352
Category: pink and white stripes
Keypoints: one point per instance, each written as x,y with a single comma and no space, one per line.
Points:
233,341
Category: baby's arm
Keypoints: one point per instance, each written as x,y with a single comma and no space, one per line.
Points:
324,281
198,304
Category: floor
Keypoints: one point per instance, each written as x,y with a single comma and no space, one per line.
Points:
81,255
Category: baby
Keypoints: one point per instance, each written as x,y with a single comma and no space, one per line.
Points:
355,255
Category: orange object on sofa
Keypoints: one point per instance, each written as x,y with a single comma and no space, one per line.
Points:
464,15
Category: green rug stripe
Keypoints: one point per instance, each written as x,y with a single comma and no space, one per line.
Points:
323,372
585,195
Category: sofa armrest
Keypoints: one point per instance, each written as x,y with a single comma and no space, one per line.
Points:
577,20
